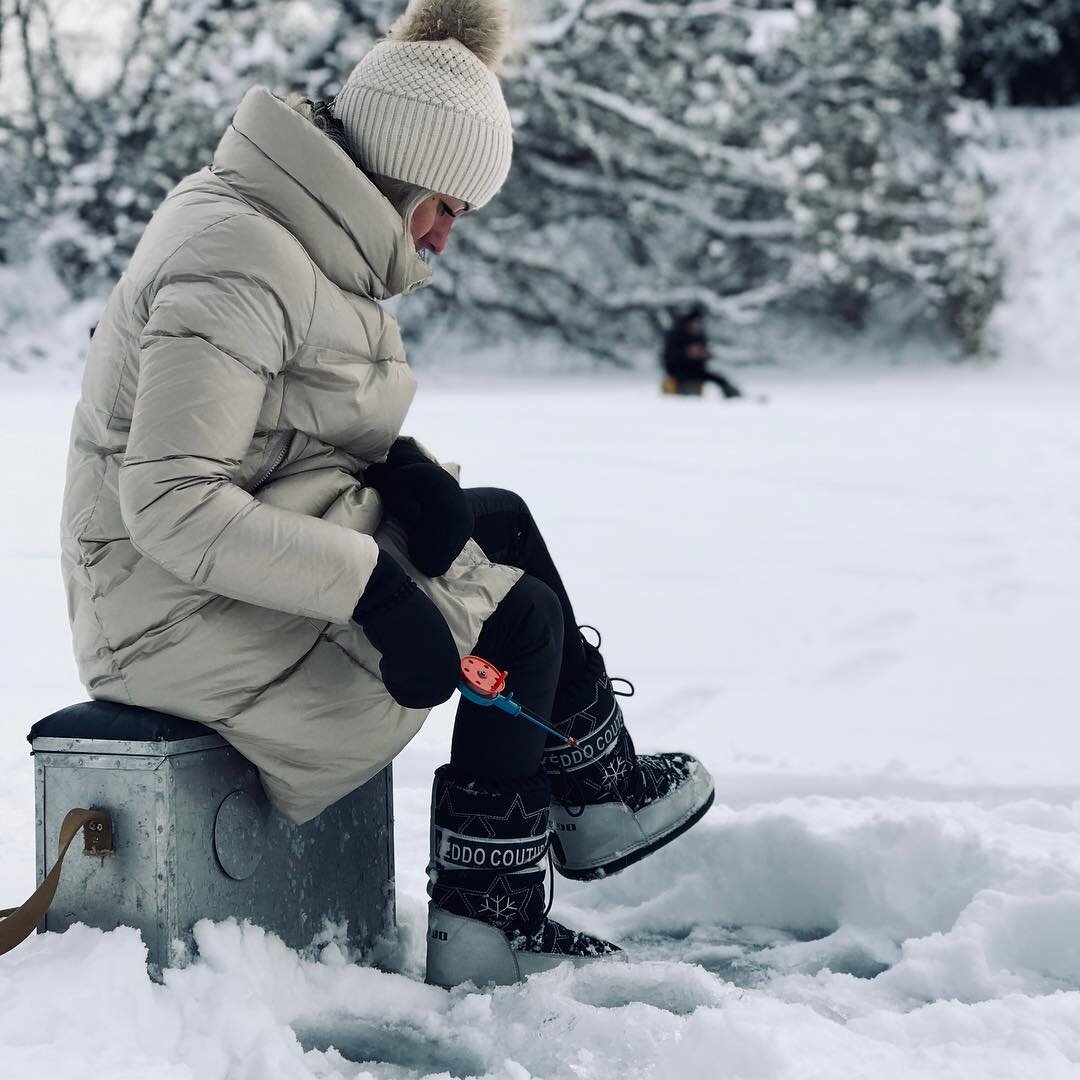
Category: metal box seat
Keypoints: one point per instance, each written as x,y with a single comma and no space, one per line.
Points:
194,836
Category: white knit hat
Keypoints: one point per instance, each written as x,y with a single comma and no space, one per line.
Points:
424,106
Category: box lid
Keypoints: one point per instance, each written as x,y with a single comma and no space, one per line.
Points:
110,727
159,748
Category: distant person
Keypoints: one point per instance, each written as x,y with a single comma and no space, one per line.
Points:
250,541
686,355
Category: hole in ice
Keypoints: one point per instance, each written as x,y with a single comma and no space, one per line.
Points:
813,934
365,1041
854,961
738,954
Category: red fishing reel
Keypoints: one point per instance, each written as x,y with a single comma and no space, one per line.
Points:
483,684
483,679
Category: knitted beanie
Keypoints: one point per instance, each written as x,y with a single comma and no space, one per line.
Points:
425,106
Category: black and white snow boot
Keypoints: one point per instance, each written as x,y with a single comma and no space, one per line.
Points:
487,919
612,806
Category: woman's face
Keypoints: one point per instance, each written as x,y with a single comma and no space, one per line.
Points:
432,221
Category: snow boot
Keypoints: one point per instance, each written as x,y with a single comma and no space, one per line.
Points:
487,919
612,806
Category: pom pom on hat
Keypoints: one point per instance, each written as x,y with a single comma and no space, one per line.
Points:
482,26
425,106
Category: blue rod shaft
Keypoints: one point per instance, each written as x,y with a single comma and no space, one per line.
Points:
508,705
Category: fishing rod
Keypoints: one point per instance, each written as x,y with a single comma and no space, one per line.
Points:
483,684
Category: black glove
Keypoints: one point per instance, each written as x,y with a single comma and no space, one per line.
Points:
429,504
420,665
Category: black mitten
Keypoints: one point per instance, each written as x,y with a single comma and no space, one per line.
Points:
428,503
420,665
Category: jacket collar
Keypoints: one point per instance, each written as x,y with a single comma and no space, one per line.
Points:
281,163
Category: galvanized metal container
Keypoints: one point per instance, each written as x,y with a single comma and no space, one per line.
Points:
194,837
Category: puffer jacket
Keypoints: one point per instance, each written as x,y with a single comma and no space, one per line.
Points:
215,536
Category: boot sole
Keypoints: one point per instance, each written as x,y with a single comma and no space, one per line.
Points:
623,855
463,950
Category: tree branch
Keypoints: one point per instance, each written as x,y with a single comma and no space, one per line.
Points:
549,34
119,87
642,9
746,165
782,228
59,70
39,145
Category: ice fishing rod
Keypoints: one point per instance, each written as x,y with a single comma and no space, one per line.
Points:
483,684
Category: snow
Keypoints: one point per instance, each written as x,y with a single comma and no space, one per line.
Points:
42,333
858,603
1034,159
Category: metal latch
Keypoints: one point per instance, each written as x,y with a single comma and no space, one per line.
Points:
97,834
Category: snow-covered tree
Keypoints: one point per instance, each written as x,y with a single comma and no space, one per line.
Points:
1021,52
668,152
637,187
673,152
862,110
102,157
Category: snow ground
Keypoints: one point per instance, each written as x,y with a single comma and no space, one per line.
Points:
858,604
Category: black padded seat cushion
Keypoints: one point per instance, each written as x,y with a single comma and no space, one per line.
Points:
112,720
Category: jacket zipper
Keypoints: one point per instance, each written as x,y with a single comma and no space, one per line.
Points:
278,459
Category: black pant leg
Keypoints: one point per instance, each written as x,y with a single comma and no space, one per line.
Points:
727,387
523,636
505,529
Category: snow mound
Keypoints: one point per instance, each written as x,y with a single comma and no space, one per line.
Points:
881,937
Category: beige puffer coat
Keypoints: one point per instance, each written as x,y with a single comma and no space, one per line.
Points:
215,536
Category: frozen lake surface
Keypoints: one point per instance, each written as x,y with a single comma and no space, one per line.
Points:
859,604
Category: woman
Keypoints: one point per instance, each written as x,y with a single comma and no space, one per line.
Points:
249,542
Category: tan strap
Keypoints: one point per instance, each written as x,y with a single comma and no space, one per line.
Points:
17,924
